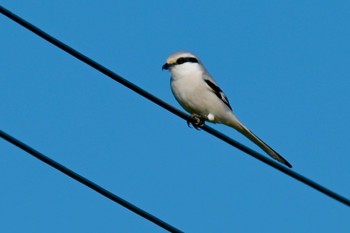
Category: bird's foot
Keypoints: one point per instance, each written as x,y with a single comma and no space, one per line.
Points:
197,121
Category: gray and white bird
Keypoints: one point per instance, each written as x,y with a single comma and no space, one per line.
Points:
197,92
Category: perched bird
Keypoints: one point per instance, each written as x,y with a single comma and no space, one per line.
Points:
198,93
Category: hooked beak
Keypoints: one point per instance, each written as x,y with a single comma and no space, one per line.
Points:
165,66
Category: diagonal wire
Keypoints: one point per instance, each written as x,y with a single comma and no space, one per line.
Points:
87,182
170,108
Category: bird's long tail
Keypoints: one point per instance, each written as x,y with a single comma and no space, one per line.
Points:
251,136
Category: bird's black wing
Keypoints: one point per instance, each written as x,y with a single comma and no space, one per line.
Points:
218,92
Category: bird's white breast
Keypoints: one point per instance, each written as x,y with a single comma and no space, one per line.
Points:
193,93
188,87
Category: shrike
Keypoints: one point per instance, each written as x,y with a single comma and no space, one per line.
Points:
198,93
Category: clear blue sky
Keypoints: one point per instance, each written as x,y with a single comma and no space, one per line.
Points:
284,66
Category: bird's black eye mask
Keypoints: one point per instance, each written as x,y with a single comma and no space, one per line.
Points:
182,60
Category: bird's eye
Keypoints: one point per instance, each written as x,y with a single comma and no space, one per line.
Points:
181,60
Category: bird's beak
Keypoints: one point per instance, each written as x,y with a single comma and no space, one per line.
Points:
165,66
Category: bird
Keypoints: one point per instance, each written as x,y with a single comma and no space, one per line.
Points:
198,93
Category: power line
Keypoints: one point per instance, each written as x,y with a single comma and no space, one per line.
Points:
87,182
170,108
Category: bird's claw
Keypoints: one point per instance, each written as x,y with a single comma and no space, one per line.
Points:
197,121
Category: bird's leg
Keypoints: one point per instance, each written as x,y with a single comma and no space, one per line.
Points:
197,121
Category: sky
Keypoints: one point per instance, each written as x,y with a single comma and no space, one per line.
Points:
284,66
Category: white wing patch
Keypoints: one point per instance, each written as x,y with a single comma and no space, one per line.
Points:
211,117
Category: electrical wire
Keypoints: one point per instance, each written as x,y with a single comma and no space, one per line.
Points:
88,183
170,108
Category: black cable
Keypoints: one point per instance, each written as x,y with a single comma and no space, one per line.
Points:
88,183
170,108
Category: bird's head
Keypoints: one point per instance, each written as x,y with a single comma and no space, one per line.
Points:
182,62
